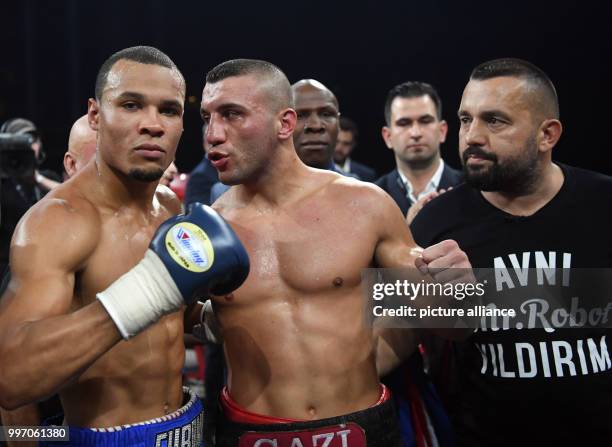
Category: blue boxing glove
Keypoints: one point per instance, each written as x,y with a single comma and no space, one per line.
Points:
192,254
201,252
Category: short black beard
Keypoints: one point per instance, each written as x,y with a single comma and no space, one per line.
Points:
146,176
515,176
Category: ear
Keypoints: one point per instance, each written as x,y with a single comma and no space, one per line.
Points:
548,134
443,127
287,121
386,134
69,164
93,113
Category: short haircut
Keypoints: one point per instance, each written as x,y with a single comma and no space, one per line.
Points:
518,68
348,125
263,69
140,54
412,89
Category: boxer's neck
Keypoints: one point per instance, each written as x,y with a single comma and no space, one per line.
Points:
279,183
115,189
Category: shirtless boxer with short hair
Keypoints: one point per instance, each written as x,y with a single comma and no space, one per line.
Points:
80,283
299,355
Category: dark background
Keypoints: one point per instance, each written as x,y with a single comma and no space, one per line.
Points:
51,51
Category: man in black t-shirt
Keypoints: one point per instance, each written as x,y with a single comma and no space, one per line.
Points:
519,210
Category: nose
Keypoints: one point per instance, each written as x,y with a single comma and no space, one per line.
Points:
473,135
415,132
314,124
215,133
151,123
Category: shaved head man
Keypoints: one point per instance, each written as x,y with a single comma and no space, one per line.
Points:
301,363
81,146
317,125
239,162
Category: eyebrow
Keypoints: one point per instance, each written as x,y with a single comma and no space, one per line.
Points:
131,95
223,107
331,107
141,97
172,103
485,113
420,117
495,112
231,105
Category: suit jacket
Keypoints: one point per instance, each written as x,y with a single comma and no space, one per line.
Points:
393,185
200,182
364,172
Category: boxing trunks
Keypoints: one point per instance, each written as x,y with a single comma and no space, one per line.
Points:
372,427
180,428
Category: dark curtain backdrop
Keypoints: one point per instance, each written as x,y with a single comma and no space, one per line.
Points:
51,52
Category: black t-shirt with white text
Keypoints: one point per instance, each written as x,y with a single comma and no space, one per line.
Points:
531,386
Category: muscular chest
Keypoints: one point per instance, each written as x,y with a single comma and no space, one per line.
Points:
122,244
306,251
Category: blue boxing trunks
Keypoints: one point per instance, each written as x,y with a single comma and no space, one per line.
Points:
373,427
180,428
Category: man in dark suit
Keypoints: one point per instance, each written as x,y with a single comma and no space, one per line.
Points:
414,131
345,144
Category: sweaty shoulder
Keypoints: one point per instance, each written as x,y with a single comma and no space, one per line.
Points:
226,201
368,196
64,227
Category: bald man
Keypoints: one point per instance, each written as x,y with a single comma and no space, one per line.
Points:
301,361
81,146
317,126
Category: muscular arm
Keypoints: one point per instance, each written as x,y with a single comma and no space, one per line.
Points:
44,344
397,249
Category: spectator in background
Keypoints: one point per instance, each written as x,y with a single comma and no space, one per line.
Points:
414,131
317,125
81,146
46,180
19,194
345,144
201,180
169,174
